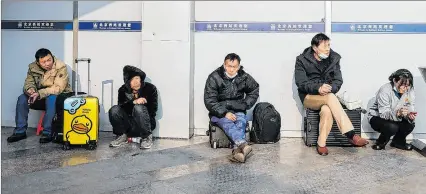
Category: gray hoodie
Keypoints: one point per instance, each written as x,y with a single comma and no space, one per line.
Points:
386,103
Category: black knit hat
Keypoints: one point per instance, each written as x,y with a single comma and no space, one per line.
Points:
130,71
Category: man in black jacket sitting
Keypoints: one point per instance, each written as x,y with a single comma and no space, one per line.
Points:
318,79
134,116
229,92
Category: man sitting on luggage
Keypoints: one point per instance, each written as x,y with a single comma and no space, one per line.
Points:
47,77
134,116
318,79
229,92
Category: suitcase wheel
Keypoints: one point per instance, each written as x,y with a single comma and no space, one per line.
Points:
91,145
66,145
208,133
215,145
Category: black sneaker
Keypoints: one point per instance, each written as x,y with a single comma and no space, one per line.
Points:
45,138
16,137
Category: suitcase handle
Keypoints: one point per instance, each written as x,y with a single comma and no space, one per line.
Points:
88,60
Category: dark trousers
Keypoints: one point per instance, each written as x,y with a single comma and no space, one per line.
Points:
388,128
136,124
22,110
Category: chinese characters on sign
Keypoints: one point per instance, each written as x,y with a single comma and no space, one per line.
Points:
36,25
372,27
291,27
130,26
259,27
112,26
379,28
226,27
126,26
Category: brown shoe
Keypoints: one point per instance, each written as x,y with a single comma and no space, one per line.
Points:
237,155
246,149
323,151
358,141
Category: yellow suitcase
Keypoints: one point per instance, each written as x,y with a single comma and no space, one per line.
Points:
81,118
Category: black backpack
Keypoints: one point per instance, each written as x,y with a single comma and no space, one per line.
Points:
266,127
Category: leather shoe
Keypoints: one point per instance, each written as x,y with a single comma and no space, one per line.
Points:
16,137
407,147
323,151
358,141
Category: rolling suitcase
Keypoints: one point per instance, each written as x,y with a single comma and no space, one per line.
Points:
218,138
81,117
335,138
58,120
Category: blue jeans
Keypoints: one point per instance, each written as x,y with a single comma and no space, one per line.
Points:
235,130
22,110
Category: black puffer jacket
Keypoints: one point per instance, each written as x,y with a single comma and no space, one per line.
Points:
310,76
223,95
147,91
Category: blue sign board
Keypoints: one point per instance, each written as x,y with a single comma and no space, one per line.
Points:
36,25
133,26
274,27
379,28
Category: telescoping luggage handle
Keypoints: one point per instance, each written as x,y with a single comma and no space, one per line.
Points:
88,73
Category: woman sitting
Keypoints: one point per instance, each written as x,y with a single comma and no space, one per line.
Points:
393,111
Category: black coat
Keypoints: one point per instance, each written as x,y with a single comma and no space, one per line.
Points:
309,76
147,91
223,95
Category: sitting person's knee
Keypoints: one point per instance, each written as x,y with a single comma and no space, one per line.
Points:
331,96
325,110
139,109
23,98
392,128
114,110
51,97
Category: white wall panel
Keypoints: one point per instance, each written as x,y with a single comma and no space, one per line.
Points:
168,70
36,10
166,59
267,11
378,11
167,21
110,10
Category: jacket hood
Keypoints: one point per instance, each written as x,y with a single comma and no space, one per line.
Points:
130,71
221,71
308,53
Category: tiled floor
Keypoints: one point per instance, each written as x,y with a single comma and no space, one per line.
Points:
191,166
